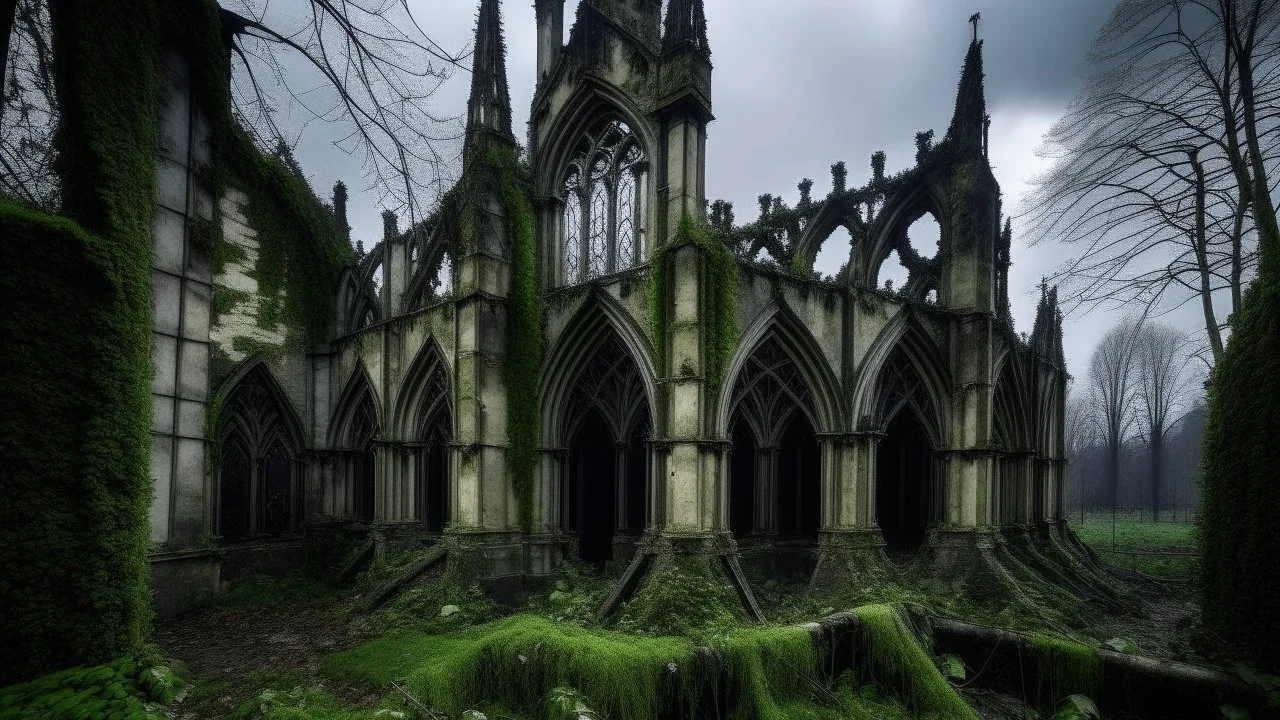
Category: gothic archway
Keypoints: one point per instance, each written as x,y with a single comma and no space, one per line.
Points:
424,421
909,489
258,479
604,498
356,428
774,472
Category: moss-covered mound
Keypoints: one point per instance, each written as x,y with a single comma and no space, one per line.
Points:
1239,586
123,688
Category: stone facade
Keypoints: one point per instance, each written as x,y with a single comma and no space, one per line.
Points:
852,427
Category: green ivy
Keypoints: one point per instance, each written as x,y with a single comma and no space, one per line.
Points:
75,408
719,311
1239,588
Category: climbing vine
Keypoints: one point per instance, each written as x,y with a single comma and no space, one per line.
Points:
719,311
75,404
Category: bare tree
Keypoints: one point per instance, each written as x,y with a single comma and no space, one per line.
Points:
1162,381
1081,431
1113,390
1155,176
366,65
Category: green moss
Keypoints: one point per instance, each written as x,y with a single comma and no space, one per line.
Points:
896,660
75,406
681,601
718,315
125,687
1064,668
226,299
301,252
515,662
773,668
1239,588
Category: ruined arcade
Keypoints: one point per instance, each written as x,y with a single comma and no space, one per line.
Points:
592,361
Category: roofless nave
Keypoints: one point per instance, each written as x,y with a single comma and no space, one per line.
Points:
699,393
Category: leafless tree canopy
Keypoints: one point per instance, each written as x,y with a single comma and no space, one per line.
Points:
1113,390
30,109
1153,164
367,66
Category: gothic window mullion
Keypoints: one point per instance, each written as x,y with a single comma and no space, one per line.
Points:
611,237
584,237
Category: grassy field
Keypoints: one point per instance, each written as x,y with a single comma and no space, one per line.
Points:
1134,532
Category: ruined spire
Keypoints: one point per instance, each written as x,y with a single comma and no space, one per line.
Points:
686,26
968,123
489,107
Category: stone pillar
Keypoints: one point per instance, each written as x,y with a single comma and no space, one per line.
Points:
850,546
620,486
765,515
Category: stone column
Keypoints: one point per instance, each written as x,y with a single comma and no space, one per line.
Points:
765,515
850,546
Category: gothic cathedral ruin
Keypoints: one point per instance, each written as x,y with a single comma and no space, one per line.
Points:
577,358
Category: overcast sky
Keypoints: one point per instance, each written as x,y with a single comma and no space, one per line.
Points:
801,84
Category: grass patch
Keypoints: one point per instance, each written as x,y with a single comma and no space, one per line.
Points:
126,687
1134,532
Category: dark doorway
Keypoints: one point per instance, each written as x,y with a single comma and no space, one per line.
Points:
364,466
799,480
637,477
591,500
236,476
434,487
904,465
278,481
742,481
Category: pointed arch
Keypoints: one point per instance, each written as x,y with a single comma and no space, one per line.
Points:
888,232
1011,406
355,412
592,100
835,213
425,393
356,307
905,340
600,318
257,477
430,259
778,322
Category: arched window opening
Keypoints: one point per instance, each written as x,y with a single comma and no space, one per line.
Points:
435,433
606,429
375,279
257,483
833,257
925,236
775,468
29,111
904,484
443,284
893,275
361,434
602,223
606,432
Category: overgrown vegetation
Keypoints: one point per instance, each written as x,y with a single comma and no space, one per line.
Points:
676,600
1065,668
73,571
1238,542
127,687
896,660
718,314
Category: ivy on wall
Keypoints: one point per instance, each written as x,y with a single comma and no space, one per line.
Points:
719,312
75,400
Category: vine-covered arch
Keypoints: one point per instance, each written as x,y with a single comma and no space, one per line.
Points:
888,233
600,318
431,259
835,214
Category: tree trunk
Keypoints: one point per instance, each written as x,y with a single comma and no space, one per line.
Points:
1157,466
1202,261
1264,210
